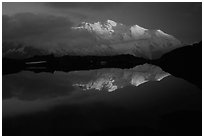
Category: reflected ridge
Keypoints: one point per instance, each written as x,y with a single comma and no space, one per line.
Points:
113,79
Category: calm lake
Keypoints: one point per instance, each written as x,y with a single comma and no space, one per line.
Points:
140,101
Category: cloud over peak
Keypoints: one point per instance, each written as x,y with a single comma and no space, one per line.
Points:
84,5
22,25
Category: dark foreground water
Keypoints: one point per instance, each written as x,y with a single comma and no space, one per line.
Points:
140,101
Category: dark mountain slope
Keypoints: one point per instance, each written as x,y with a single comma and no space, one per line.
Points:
185,62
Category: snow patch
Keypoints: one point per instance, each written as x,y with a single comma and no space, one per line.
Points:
113,23
161,32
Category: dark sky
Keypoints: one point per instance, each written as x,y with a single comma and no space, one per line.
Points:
32,20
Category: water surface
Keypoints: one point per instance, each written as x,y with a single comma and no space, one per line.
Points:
143,100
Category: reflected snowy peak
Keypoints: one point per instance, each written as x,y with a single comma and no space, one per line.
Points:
113,79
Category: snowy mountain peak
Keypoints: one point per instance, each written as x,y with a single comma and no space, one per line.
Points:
137,31
111,22
163,33
139,28
98,27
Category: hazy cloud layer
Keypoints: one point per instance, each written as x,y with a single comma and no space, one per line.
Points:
84,5
27,24
44,31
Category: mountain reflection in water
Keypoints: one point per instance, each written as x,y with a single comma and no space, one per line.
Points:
112,79
71,104
28,92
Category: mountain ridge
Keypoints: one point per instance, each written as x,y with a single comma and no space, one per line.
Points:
136,38
108,38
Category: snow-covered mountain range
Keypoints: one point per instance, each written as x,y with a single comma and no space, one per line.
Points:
107,38
134,40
